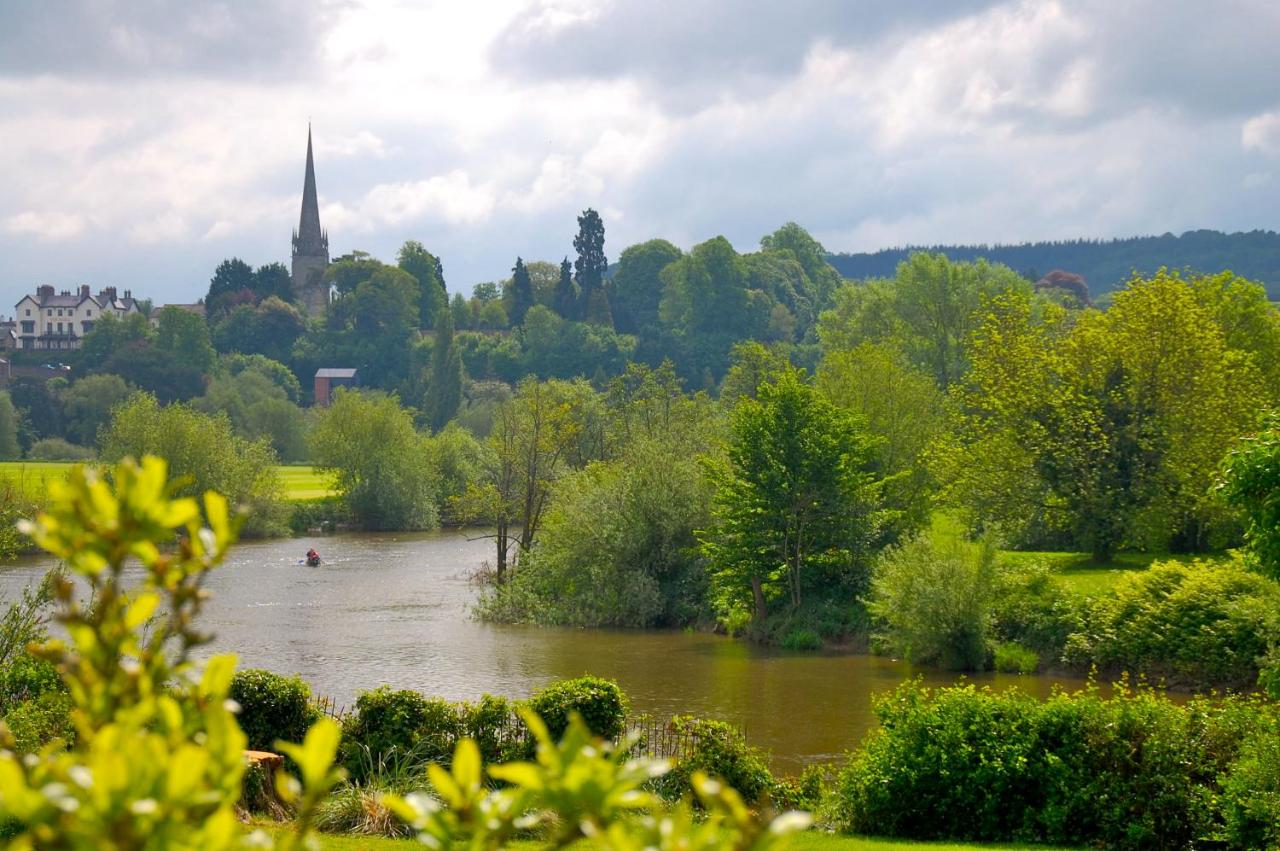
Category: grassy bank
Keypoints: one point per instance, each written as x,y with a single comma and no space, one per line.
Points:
301,483
810,841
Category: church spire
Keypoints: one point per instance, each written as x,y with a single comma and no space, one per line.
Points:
310,240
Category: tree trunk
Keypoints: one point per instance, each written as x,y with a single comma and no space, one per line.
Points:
757,592
502,553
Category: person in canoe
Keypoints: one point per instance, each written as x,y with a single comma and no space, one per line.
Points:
313,558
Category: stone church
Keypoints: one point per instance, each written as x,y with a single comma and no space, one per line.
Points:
310,247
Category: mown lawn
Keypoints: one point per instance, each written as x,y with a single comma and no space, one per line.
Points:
809,841
1078,572
32,477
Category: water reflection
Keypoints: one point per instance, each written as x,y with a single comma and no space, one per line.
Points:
393,609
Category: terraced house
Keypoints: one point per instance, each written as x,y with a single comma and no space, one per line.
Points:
59,320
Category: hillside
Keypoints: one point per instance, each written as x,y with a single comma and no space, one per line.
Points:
1104,264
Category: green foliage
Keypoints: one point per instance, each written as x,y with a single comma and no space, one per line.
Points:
1029,608
933,600
433,297
203,453
1251,793
1013,658
599,702
1133,771
272,707
184,337
9,419
39,721
153,733
57,449
794,507
803,638
371,325
1251,475
444,387
589,269
268,330
636,287
580,790
110,334
1199,624
521,292
720,751
383,467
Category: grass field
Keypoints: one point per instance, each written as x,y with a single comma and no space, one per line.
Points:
1080,573
809,841
32,477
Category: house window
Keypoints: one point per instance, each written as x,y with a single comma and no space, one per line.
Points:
88,313
28,311
59,311
59,327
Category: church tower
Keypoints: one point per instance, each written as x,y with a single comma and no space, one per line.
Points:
310,247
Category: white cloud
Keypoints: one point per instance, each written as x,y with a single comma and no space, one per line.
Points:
51,226
1262,133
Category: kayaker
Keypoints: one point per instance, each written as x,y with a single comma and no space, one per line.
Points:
313,557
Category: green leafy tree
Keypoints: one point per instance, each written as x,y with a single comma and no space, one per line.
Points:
87,405
9,448
273,281
372,324
184,337
110,334
425,268
382,465
636,287
444,389
204,451
707,307
521,292
157,758
232,284
258,408
1251,483
156,371
822,277
795,507
39,411
460,310
929,310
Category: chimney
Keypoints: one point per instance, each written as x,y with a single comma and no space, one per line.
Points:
44,290
128,294
84,291
110,293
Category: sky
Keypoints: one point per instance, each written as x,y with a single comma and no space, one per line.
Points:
143,141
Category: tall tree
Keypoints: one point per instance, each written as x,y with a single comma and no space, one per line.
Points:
589,268
521,292
444,390
273,279
426,270
566,294
232,283
9,448
795,506
184,336
636,288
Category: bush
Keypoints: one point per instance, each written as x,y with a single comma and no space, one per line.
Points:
1134,771
57,449
1031,608
1200,624
1013,658
932,600
36,722
27,678
1251,795
600,702
272,707
802,639
386,722
720,751
799,793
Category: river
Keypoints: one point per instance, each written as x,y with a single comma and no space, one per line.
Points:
394,609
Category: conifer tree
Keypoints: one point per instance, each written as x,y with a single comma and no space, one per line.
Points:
566,296
521,293
444,393
590,267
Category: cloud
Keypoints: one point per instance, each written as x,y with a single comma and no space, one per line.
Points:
1262,133
51,226
121,38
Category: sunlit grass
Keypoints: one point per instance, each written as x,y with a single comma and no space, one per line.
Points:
32,478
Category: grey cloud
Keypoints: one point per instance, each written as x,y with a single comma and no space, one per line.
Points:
702,48
222,38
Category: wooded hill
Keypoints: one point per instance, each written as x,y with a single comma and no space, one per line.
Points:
1105,264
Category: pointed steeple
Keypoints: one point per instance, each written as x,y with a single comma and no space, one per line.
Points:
310,240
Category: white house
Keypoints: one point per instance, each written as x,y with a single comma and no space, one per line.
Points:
53,320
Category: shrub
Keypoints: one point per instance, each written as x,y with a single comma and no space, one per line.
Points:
57,449
26,678
932,600
1031,608
799,793
600,702
720,751
37,721
1200,624
1013,658
325,514
272,707
386,722
1251,795
802,639
1133,771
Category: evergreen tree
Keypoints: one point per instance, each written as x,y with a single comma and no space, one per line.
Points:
590,267
521,292
444,394
566,296
426,270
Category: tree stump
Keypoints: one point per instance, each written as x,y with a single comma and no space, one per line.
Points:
258,787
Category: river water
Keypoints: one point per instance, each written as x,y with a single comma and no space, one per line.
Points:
394,609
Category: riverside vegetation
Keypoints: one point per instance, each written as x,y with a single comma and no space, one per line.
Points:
1132,771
